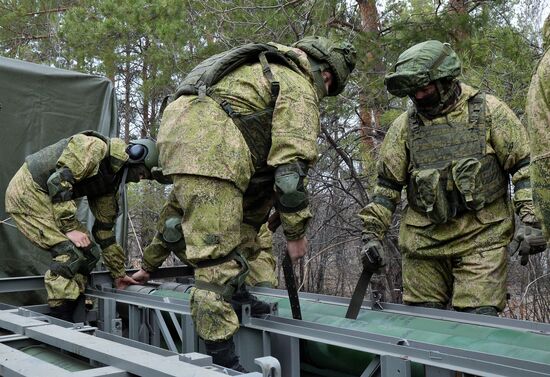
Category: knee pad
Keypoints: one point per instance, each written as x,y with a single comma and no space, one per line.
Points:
91,255
172,234
67,261
290,189
483,310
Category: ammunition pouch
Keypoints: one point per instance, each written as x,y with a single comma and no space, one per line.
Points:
468,184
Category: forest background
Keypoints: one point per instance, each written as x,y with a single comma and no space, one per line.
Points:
146,47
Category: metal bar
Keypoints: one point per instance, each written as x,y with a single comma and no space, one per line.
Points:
445,315
15,363
101,372
444,357
392,366
133,343
165,332
97,278
136,361
146,301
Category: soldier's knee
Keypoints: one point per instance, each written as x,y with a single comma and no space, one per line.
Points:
68,260
483,310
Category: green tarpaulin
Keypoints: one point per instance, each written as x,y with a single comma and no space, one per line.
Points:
38,106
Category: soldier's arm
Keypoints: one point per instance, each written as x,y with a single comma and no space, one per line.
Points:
509,139
293,149
79,160
538,117
105,209
392,175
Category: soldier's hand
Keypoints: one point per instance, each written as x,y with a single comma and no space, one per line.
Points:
141,276
80,239
123,282
372,253
527,240
297,249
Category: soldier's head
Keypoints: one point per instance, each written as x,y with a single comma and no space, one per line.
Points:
427,73
143,156
331,63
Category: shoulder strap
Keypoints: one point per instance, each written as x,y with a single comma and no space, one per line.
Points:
476,108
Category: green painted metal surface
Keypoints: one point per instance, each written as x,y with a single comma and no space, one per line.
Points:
495,341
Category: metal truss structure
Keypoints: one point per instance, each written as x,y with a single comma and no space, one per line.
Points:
157,328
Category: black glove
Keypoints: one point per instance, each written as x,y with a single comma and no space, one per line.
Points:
372,253
157,175
528,240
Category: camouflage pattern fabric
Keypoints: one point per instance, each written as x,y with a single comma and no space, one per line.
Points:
197,137
213,228
158,250
490,228
538,117
263,269
45,223
477,279
211,166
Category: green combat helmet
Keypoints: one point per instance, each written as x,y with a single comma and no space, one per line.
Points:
324,54
420,65
143,151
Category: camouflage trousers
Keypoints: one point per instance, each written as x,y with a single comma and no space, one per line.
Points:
468,281
213,228
262,269
32,212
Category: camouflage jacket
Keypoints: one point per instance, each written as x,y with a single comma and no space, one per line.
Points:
198,138
538,117
487,228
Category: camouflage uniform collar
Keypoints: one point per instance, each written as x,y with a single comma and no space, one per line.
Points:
466,93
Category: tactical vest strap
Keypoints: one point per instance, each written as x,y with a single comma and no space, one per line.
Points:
476,109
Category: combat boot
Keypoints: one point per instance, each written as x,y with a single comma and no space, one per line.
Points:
244,297
223,354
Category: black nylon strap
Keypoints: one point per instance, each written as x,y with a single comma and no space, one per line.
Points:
100,225
384,201
290,283
388,183
520,164
359,294
105,243
523,184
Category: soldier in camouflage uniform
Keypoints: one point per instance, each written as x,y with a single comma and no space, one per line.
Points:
454,151
538,117
169,238
239,137
41,200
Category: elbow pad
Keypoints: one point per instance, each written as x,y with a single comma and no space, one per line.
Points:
291,195
60,185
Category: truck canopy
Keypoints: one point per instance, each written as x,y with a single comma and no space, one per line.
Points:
38,106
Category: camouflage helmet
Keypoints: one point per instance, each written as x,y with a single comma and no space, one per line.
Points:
326,54
420,65
143,151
